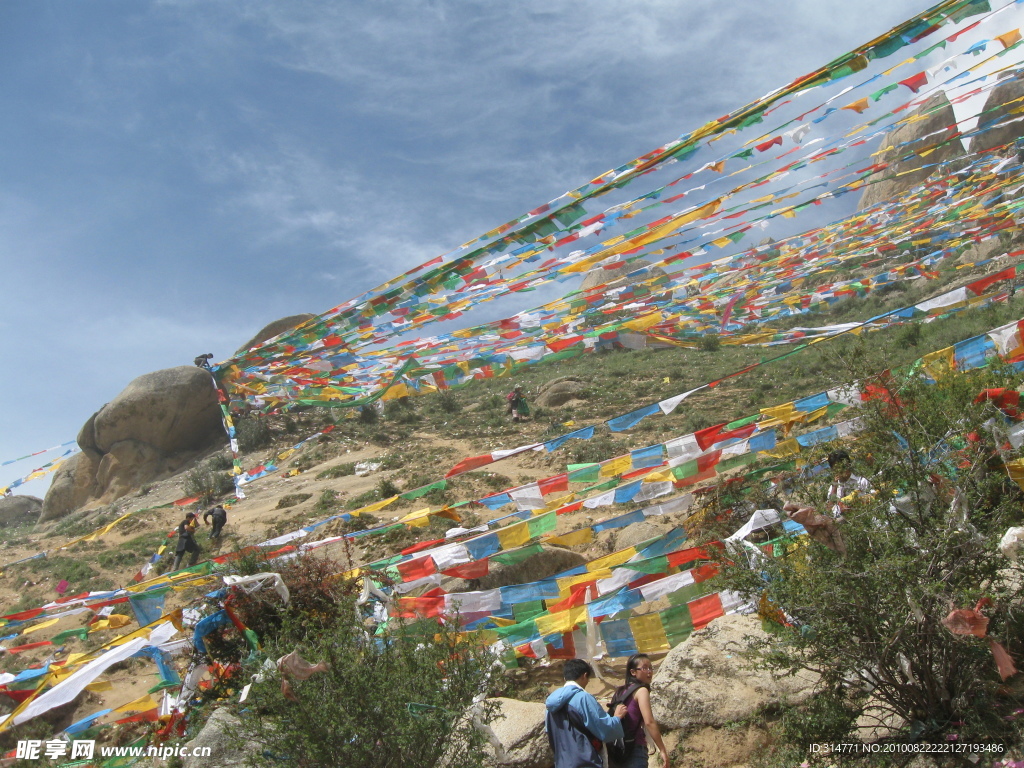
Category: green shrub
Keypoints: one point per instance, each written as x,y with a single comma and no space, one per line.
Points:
292,499
339,470
327,502
386,488
253,433
220,462
424,678
203,482
871,610
448,401
710,342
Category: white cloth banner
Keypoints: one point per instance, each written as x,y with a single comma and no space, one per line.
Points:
682,448
473,602
655,589
528,497
650,491
604,500
761,518
669,405
670,507
945,300
66,690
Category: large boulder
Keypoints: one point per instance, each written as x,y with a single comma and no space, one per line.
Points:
543,565
270,330
708,681
937,125
559,391
220,734
18,510
998,106
519,726
160,422
617,277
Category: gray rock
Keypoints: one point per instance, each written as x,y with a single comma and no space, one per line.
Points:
909,138
616,278
220,735
634,534
707,681
157,424
271,330
559,391
18,510
546,563
519,726
980,251
1000,101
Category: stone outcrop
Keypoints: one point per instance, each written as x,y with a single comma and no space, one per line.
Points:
220,734
708,680
270,330
616,278
560,391
18,510
937,125
1002,100
519,726
153,428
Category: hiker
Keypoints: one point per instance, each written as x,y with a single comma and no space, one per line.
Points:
845,484
187,541
517,406
203,361
636,695
576,723
220,517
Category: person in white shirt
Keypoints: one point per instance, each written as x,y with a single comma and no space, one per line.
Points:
845,484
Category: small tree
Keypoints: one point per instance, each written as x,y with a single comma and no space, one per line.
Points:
395,696
923,544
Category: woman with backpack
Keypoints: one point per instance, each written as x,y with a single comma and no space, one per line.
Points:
636,695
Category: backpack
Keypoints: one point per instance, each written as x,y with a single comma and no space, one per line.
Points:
620,751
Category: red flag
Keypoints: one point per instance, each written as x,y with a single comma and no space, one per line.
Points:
916,82
470,463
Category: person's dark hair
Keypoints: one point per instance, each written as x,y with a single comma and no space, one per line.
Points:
631,664
838,457
190,515
574,669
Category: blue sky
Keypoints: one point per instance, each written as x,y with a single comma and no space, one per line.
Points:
173,175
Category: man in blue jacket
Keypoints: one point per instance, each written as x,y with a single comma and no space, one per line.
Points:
576,723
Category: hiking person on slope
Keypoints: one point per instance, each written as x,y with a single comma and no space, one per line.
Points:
636,695
187,541
517,406
576,723
220,517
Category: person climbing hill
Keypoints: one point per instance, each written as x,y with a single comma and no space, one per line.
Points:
187,541
220,517
517,406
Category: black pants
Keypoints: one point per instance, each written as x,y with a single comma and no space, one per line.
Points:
191,548
218,526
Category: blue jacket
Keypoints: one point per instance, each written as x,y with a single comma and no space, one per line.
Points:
571,747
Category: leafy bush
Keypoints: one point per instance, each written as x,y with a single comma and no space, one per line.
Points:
398,699
924,543
710,342
253,433
292,499
339,470
386,488
203,482
448,402
219,462
327,501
